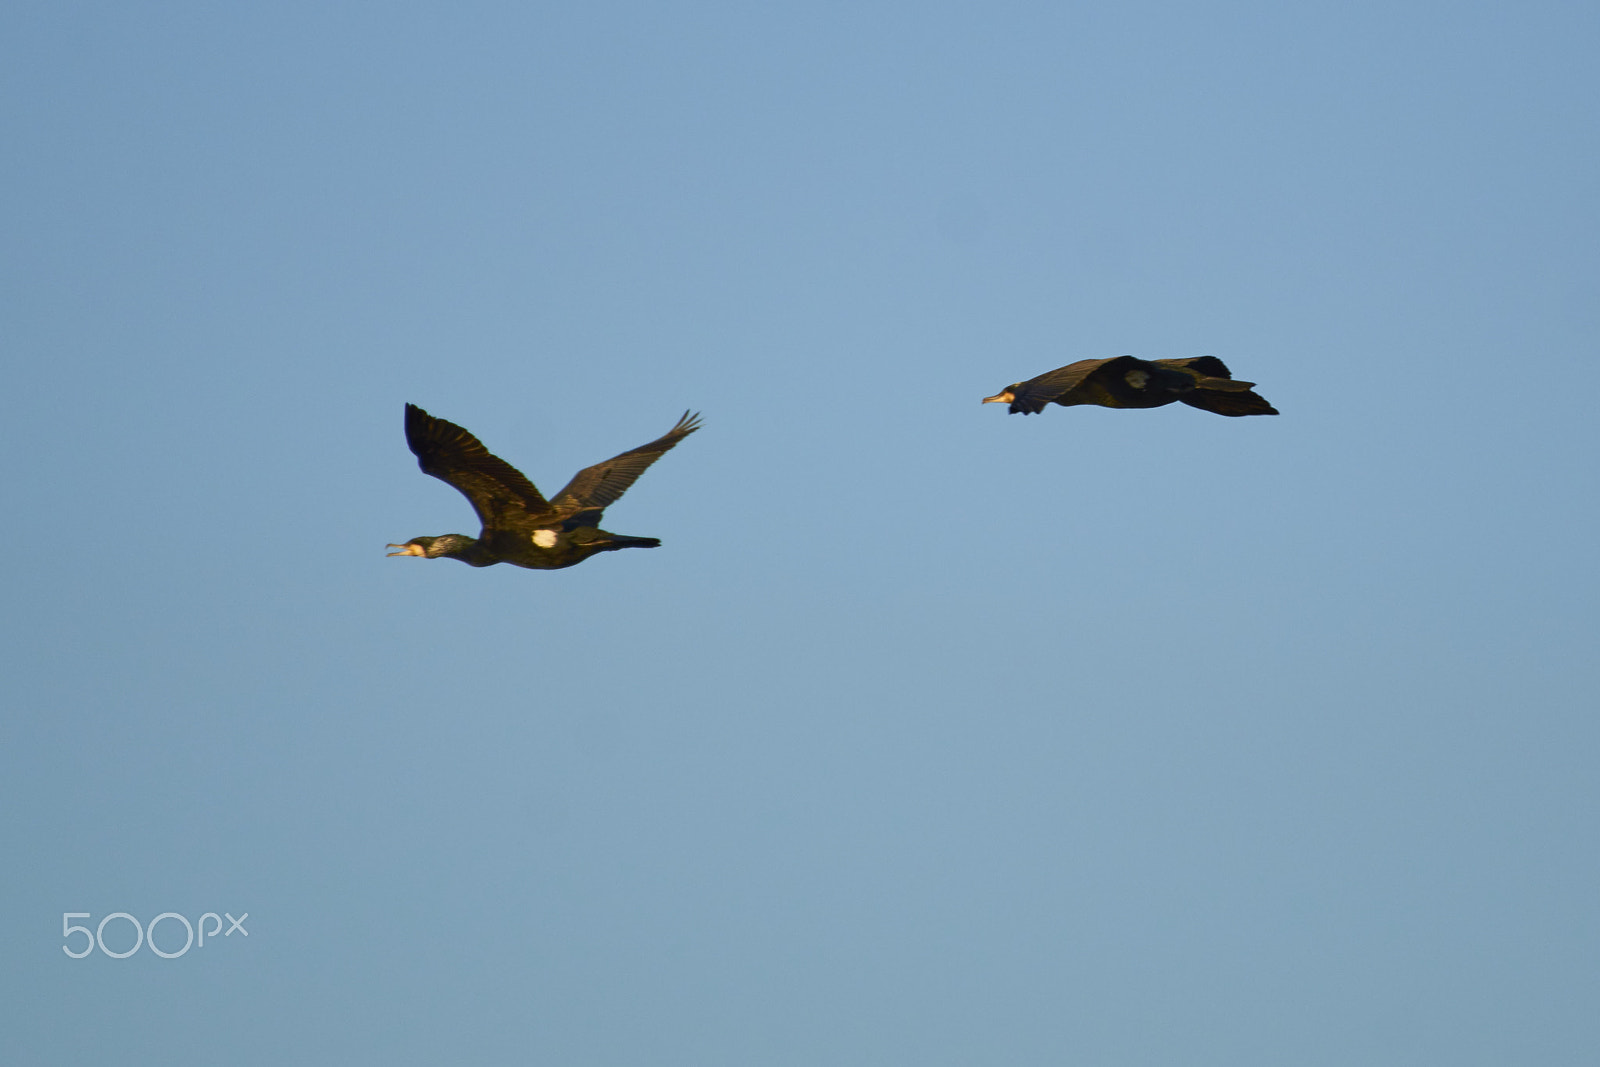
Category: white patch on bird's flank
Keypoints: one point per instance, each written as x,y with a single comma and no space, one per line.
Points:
544,538
1137,378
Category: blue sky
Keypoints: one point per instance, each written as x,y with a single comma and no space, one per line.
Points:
930,735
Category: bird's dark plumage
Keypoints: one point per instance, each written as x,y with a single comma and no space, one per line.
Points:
520,526
1202,382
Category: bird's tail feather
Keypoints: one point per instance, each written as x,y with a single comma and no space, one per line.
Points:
1224,396
624,541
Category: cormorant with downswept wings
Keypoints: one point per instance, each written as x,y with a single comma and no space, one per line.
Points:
520,526
1126,382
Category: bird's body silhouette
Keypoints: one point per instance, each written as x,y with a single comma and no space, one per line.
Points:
520,526
1202,382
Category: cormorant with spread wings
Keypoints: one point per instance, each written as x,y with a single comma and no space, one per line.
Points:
520,526
1126,382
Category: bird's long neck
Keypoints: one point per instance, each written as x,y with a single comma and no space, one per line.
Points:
459,546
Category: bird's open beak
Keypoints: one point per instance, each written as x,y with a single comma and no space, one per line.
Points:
406,550
1000,398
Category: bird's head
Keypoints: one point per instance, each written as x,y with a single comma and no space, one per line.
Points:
1004,396
433,547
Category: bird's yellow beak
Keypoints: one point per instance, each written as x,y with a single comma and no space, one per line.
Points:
406,550
1000,398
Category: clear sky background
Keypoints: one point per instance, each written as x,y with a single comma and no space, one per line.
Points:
931,735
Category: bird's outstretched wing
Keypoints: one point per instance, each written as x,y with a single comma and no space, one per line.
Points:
599,486
1205,366
495,488
1031,396
1217,391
